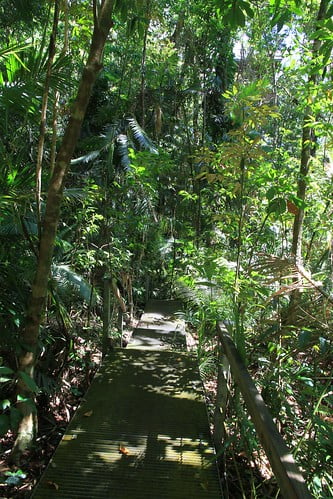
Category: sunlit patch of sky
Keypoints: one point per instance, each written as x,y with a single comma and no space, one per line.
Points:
289,53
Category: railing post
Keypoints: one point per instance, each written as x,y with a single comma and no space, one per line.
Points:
221,399
106,314
120,325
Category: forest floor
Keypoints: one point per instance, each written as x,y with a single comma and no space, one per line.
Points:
55,406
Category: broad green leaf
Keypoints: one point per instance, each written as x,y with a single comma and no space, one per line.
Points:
247,7
281,18
5,370
324,345
307,381
14,480
29,382
4,379
235,17
4,404
28,401
22,399
300,203
272,191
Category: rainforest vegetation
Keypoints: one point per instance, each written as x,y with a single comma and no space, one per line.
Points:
179,149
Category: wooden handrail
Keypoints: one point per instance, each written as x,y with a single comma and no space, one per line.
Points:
287,474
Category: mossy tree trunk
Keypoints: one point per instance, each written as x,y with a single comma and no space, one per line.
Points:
36,307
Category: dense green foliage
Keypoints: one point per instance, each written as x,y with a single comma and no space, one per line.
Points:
186,181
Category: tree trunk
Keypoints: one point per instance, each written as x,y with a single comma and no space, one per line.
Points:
143,67
308,150
106,314
53,151
36,305
307,153
42,125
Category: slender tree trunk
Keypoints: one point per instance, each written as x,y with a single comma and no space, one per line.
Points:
307,153
53,151
143,68
308,149
42,126
36,305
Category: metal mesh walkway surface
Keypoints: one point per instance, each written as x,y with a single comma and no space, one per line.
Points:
141,432
159,327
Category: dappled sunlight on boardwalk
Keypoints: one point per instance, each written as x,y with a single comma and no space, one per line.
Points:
142,431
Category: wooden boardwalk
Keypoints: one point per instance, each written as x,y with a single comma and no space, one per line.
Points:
142,430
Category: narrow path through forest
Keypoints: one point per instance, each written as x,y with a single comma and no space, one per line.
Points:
142,429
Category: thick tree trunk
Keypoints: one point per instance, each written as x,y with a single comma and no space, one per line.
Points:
36,305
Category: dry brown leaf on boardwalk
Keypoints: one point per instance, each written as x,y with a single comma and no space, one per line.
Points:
88,414
123,450
54,485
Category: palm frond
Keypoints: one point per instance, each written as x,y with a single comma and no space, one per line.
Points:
19,99
15,48
86,158
190,294
122,149
142,206
112,132
76,193
140,136
11,226
207,365
68,282
61,75
279,269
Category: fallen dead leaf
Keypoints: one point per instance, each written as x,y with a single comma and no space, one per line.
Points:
53,485
88,414
123,450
